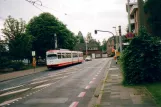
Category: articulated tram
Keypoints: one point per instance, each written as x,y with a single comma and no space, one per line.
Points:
63,57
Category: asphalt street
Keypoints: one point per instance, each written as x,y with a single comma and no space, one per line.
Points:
71,86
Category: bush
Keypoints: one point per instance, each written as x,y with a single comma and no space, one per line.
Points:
4,62
17,66
141,60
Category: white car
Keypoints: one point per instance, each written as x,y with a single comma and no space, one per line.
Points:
88,58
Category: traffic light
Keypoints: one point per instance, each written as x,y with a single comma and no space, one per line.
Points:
95,31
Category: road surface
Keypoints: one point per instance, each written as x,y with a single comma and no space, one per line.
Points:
71,86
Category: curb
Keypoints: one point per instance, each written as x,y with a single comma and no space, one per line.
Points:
96,94
98,101
22,76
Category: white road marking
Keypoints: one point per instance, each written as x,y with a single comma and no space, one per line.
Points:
8,102
51,75
39,82
12,87
13,92
40,86
113,68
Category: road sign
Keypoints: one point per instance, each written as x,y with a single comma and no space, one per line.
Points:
129,35
33,53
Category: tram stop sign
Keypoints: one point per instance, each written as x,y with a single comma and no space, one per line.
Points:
33,53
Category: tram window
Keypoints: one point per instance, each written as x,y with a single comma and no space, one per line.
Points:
76,55
59,55
63,55
69,55
52,56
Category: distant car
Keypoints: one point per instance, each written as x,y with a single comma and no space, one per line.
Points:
88,58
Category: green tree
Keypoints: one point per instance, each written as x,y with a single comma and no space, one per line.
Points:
80,38
104,45
19,43
20,46
43,28
13,27
152,8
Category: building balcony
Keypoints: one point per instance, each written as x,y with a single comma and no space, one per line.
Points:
133,9
131,5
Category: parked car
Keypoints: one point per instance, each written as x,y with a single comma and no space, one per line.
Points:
88,58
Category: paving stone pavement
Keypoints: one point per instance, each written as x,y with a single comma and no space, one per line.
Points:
116,95
16,74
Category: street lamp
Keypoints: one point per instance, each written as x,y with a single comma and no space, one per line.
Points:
116,37
86,46
55,36
128,9
120,38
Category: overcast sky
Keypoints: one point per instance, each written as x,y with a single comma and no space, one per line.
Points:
78,15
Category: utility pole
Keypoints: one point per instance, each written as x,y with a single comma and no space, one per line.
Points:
128,8
120,39
141,13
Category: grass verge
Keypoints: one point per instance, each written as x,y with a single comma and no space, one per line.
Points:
155,90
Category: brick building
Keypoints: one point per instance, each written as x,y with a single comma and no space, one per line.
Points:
92,48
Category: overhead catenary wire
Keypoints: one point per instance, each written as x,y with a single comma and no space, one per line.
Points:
39,3
33,3
38,8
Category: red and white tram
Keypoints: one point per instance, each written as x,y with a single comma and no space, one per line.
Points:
62,57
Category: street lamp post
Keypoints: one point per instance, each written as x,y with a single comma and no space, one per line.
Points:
128,8
120,39
86,47
116,38
55,36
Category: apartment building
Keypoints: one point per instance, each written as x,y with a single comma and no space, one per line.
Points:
133,15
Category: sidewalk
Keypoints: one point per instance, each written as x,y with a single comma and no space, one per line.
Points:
16,74
116,95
